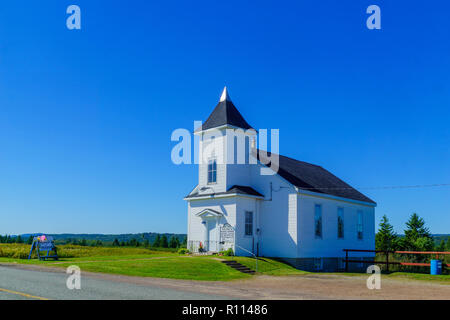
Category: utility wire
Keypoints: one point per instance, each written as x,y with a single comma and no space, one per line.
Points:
382,187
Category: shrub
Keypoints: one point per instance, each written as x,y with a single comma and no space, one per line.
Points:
227,253
183,251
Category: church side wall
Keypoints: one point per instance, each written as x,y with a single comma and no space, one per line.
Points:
278,215
330,248
249,243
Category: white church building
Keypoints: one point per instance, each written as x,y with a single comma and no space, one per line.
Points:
299,212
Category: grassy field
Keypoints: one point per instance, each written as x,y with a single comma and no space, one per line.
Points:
150,263
146,262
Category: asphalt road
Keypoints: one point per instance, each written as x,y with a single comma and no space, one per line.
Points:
16,283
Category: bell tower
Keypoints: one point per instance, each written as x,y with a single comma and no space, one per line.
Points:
225,144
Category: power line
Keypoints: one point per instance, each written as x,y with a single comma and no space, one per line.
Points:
382,187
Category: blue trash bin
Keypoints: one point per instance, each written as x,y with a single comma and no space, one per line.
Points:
436,267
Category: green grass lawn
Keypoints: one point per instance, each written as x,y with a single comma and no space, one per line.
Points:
181,267
149,263
443,279
268,266
145,262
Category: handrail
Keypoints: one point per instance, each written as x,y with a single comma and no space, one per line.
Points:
363,250
424,252
251,254
409,252
387,262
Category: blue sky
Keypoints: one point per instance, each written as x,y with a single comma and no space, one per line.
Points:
86,115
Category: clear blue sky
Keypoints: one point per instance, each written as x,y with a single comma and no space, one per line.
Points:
86,116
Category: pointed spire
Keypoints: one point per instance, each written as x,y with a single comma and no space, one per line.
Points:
224,96
225,113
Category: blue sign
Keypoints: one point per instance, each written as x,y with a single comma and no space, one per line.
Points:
43,243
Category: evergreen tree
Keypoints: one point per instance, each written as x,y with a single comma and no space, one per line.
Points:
164,243
172,242
146,243
447,247
30,240
116,243
386,238
441,246
157,242
19,239
417,236
83,242
184,243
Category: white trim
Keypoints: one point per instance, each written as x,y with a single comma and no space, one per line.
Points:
329,196
229,195
209,212
249,132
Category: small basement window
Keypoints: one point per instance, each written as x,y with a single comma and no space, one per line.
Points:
318,264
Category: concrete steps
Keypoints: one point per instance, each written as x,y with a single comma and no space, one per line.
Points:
240,267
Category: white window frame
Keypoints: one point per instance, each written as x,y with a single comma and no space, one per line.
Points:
359,225
340,214
318,205
213,163
248,223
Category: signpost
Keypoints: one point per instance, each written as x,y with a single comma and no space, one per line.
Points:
43,243
227,233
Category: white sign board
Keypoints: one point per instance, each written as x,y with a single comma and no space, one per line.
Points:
226,233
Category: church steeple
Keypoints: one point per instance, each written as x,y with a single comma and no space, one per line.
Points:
224,96
225,113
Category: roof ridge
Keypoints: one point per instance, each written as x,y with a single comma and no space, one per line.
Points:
308,176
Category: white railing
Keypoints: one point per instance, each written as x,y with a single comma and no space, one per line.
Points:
207,246
254,256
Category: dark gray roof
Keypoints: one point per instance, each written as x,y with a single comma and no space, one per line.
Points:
245,190
314,178
225,113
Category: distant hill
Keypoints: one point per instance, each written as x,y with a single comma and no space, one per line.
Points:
105,238
438,237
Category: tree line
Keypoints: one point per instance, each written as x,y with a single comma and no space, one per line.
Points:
18,239
417,237
159,242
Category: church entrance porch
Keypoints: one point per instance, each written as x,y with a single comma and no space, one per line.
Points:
210,238
212,244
